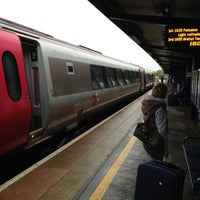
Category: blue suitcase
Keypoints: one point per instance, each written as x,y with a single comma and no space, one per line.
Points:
159,180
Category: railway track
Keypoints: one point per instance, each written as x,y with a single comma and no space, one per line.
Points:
13,164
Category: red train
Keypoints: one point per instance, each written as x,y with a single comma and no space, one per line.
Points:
47,85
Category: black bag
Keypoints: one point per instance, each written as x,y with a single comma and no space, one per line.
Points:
159,180
148,135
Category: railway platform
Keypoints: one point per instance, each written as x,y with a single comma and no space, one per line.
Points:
102,163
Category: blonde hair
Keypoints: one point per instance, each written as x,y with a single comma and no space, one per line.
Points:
159,90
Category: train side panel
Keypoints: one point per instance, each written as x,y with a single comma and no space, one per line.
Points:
47,85
15,110
149,77
146,80
142,80
72,89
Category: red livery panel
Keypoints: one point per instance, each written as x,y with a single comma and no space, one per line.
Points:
15,110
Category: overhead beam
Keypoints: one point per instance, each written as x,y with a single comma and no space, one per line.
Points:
152,19
174,57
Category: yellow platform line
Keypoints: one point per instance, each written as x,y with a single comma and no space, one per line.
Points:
106,181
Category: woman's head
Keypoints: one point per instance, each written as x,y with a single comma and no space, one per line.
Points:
159,90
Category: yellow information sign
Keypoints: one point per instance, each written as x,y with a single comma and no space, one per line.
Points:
178,37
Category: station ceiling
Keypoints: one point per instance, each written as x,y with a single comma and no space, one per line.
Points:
145,21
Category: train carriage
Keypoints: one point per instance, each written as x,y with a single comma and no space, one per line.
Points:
47,85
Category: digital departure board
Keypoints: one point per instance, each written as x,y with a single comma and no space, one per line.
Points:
183,37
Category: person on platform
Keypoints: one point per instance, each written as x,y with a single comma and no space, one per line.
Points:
154,106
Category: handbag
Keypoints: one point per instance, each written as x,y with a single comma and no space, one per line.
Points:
148,135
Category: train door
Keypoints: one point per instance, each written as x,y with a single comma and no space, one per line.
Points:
33,70
142,80
15,108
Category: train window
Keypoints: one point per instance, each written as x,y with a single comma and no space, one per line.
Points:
149,77
33,55
11,76
137,77
126,77
70,68
120,77
97,77
111,78
131,76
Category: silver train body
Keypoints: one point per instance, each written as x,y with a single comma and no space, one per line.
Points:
65,84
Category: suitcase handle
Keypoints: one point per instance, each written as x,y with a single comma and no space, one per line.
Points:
167,164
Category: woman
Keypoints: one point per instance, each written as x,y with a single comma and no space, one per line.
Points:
154,109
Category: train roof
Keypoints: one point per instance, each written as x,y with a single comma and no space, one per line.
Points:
25,31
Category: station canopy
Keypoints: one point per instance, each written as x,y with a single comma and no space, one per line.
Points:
168,30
